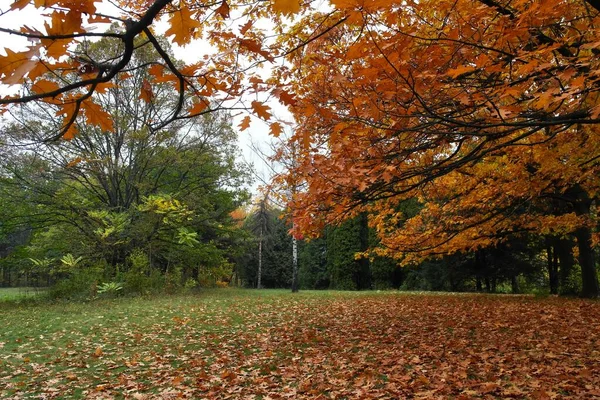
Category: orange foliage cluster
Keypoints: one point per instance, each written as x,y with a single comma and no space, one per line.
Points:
68,79
478,108
485,111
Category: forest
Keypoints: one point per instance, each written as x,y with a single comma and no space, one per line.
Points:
444,146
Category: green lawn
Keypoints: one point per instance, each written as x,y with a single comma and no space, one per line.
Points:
16,294
273,344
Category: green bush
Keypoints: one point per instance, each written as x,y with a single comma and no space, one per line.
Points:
173,280
136,279
110,289
82,284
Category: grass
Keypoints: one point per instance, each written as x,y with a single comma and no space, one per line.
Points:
233,343
20,293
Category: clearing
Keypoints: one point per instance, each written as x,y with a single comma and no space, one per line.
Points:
249,344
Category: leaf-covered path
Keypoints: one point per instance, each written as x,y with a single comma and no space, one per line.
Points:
272,344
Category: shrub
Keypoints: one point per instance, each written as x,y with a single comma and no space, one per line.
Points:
110,289
81,285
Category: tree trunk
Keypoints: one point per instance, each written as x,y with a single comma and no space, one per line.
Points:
515,284
294,265
259,273
587,261
364,280
589,277
478,285
564,250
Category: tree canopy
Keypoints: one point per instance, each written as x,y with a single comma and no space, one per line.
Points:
483,111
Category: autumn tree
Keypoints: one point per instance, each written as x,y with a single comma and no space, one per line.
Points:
393,100
479,109
165,193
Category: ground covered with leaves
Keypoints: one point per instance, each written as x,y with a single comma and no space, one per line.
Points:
330,345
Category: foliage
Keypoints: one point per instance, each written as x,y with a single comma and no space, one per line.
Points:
82,284
233,343
459,105
99,197
110,289
484,112
270,240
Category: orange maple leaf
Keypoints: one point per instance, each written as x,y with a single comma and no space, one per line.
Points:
198,107
44,86
14,66
95,115
261,110
255,47
61,23
223,10
146,92
246,27
182,26
276,129
74,161
19,4
286,7
285,97
245,124
70,134
463,69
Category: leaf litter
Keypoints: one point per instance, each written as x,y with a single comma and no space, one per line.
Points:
235,344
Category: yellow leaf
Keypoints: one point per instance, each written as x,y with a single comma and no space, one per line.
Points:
286,7
182,26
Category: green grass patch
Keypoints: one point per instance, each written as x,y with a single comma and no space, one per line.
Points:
20,293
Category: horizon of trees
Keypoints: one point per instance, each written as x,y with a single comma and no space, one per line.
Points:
452,135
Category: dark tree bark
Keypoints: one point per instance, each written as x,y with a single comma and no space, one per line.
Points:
587,260
514,282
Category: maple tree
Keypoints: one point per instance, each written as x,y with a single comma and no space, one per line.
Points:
394,100
485,111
